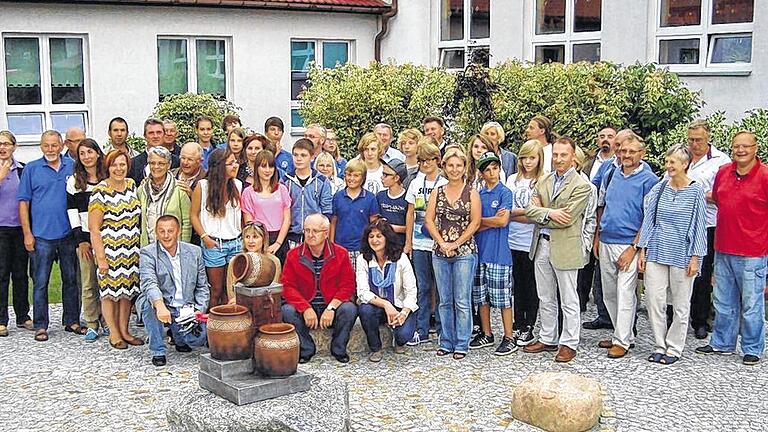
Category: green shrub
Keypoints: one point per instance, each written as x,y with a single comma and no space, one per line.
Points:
185,109
137,143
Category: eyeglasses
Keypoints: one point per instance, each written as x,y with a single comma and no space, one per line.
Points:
629,152
233,163
743,146
421,161
310,231
6,144
386,174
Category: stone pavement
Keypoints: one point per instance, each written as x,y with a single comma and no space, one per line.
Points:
68,385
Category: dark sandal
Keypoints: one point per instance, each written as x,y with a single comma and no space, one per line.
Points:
442,352
458,356
669,360
655,357
76,329
134,341
121,345
41,335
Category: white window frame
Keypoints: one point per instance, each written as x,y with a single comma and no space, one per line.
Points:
467,43
295,104
705,32
192,62
46,107
569,38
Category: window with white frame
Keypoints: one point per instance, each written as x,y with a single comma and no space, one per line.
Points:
566,31
306,54
45,84
465,27
192,64
704,35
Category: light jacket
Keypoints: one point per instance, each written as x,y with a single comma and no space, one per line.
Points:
156,276
336,281
405,282
178,205
315,197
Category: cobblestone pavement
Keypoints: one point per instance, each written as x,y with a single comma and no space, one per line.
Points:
68,385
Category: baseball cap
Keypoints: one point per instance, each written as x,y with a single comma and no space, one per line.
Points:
399,168
486,159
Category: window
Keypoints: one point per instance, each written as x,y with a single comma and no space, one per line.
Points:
45,84
304,55
704,35
465,26
566,31
189,64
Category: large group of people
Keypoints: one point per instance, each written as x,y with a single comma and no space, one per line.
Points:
426,239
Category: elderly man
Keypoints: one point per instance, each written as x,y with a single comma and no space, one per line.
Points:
619,217
559,203
118,136
42,197
71,140
706,160
383,132
170,132
317,134
318,284
189,172
435,127
173,284
153,134
740,191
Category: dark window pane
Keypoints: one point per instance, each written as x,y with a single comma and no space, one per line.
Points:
296,120
586,17
67,71
586,52
211,68
680,13
298,82
453,59
732,11
172,66
335,53
732,49
25,124
480,20
550,54
63,121
22,71
302,55
452,20
679,51
550,16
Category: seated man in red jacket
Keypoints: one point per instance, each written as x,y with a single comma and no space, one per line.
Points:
318,283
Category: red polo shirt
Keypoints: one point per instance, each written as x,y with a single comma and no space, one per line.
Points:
742,211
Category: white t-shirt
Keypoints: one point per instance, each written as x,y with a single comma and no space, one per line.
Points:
547,158
520,234
225,228
373,180
418,195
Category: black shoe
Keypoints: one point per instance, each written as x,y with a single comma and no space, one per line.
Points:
158,361
341,358
183,348
707,349
525,338
596,324
303,360
700,333
506,347
750,360
481,341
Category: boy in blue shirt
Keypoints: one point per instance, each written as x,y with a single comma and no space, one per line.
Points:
392,200
494,257
353,209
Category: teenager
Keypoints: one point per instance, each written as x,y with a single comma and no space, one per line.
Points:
274,128
331,146
392,203
371,150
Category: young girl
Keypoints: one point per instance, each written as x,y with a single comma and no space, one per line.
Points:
253,145
408,142
254,240
478,146
326,165
526,305
540,129
331,145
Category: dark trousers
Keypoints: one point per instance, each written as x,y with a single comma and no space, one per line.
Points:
42,262
280,253
701,298
372,316
526,305
14,262
584,281
343,321
597,292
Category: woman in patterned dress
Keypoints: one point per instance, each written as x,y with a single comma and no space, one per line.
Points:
113,219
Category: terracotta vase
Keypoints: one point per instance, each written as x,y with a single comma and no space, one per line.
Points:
276,350
229,332
263,302
253,269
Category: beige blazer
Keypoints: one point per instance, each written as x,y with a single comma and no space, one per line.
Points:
566,248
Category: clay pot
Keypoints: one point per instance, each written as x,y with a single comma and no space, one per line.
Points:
276,350
253,269
263,302
229,332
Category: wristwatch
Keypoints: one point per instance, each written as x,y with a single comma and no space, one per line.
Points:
634,246
331,308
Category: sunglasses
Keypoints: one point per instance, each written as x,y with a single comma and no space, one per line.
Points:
255,224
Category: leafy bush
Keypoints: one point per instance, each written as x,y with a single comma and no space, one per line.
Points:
137,143
185,109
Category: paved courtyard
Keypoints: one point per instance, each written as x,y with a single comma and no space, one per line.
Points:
68,385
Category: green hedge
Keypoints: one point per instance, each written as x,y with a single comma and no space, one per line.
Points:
185,109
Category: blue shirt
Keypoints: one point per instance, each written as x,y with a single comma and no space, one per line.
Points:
284,162
557,183
492,242
206,152
352,216
46,191
393,209
623,202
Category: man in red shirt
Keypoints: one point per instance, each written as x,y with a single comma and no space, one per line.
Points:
740,191
318,284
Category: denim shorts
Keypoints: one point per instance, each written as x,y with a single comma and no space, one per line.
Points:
222,253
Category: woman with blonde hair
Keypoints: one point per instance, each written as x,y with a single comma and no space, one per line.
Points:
331,145
255,239
326,165
495,134
530,169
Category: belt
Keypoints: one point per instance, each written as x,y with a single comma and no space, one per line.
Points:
218,240
544,236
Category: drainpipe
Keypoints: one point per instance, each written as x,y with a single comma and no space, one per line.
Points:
385,17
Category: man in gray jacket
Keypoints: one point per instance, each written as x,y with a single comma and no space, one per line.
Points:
173,283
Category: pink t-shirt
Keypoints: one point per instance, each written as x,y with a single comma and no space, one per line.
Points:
269,210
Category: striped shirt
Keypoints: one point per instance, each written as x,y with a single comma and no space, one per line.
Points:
679,230
77,209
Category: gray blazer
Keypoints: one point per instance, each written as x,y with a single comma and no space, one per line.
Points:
156,274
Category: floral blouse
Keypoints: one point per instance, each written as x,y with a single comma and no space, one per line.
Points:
453,219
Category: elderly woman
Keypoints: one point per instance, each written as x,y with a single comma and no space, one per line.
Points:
326,165
386,288
160,194
673,241
495,134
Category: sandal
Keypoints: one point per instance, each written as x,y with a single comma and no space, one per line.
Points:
41,335
669,360
76,329
121,345
459,356
134,341
655,357
442,352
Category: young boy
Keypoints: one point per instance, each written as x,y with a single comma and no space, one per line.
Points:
353,209
273,129
310,192
392,201
371,150
495,258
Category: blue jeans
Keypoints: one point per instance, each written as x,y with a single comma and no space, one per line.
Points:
454,284
425,283
156,331
738,296
343,320
42,262
372,316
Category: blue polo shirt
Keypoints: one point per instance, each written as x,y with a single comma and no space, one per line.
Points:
492,242
393,209
352,216
46,191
